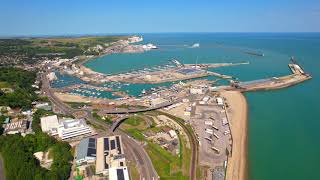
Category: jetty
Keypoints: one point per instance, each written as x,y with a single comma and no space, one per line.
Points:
298,76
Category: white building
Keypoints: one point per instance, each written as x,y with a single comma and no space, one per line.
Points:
219,101
119,173
66,128
173,134
70,128
197,90
50,124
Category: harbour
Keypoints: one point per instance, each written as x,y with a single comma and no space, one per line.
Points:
269,80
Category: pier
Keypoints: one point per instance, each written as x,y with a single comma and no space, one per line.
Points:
298,76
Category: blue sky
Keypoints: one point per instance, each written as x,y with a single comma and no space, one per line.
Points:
58,17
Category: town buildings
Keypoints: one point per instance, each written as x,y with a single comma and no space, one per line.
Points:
64,128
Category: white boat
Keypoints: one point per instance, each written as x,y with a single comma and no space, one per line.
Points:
196,45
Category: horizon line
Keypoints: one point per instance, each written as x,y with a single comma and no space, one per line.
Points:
141,33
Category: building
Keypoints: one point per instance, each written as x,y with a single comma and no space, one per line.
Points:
119,173
197,90
109,154
70,128
44,106
86,151
16,127
219,101
158,102
66,128
173,134
190,71
50,124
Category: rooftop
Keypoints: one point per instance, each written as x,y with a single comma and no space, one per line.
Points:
190,71
86,148
49,122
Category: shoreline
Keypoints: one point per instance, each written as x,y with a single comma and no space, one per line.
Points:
237,167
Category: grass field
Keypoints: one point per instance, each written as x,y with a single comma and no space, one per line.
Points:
134,120
167,165
135,133
134,173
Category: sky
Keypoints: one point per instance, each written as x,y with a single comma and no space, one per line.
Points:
65,17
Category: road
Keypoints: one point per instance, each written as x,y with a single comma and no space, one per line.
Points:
2,176
126,111
134,149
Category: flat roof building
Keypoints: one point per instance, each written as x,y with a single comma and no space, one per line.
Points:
219,101
50,124
109,154
120,173
70,128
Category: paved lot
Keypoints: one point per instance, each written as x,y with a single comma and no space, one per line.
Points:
211,113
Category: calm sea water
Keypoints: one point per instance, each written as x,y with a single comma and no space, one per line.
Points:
284,124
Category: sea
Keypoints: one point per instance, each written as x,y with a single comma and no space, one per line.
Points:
284,127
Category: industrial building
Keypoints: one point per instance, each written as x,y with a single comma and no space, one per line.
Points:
86,151
109,155
119,173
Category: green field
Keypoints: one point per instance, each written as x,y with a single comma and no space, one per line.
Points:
167,165
133,120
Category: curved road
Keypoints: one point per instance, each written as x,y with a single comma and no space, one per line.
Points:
144,163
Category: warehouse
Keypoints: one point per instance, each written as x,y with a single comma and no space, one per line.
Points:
86,151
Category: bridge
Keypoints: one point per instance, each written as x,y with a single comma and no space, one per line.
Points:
128,111
117,122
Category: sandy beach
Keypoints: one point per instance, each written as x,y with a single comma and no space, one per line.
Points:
237,168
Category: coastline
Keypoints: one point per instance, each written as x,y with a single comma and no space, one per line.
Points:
237,167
